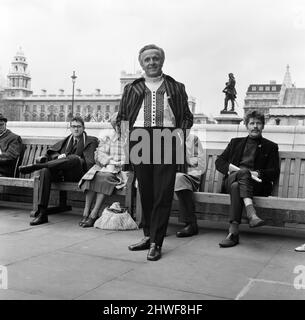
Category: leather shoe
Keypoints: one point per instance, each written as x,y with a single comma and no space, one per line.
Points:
142,245
188,231
27,169
84,218
253,223
230,241
154,252
40,219
89,222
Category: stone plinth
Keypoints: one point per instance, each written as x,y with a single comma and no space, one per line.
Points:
228,117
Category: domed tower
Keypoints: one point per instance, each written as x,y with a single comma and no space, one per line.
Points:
19,79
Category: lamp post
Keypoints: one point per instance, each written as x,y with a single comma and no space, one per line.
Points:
73,77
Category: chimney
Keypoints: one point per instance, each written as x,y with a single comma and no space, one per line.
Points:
61,91
97,92
43,92
79,92
272,82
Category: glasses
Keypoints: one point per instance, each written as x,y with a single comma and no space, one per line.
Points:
76,127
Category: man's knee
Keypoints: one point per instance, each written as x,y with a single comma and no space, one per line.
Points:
74,159
234,186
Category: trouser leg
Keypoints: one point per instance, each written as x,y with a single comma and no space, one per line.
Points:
45,180
163,191
144,174
70,168
239,186
186,206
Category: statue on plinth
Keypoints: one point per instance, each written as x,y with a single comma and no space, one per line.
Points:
230,93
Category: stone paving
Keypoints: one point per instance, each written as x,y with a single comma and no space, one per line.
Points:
60,260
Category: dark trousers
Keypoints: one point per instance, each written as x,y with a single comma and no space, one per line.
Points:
186,207
156,186
239,185
64,169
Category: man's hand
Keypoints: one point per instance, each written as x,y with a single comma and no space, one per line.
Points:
63,155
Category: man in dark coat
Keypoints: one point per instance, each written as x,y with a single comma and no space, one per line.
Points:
250,166
151,103
10,149
67,160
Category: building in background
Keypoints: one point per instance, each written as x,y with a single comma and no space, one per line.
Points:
19,103
282,104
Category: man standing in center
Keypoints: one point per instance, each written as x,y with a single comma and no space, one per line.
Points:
153,102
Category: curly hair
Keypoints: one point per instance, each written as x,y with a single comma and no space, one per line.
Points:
256,115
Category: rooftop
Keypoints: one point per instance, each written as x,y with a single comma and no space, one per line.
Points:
60,260
294,96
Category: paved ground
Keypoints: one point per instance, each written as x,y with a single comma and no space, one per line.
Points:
60,260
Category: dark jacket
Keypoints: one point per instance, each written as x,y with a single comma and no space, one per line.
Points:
11,149
90,145
266,161
133,97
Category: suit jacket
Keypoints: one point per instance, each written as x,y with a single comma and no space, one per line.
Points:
266,161
90,145
11,149
133,97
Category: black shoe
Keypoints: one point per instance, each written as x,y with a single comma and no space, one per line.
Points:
230,241
84,218
27,169
89,222
154,252
40,219
188,231
253,223
142,245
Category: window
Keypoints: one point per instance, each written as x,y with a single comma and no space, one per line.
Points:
267,88
78,109
34,108
27,109
108,107
42,108
253,88
273,88
61,108
261,88
99,108
116,108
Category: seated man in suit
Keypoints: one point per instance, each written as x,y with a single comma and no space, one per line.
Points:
250,165
10,149
187,183
67,160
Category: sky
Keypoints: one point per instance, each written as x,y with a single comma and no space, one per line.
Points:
203,41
